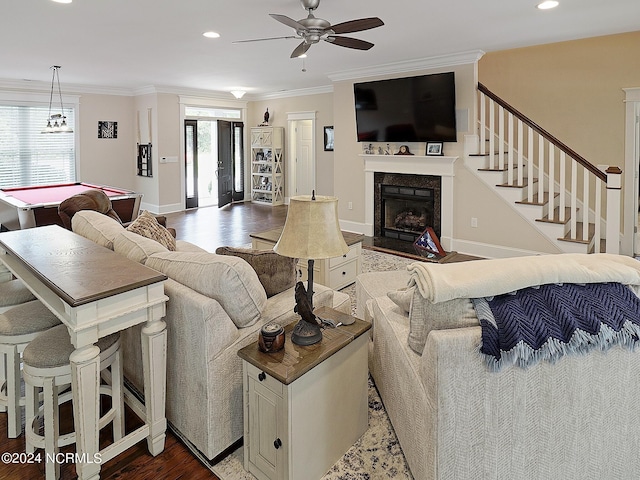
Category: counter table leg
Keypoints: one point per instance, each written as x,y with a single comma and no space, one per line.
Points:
85,381
154,361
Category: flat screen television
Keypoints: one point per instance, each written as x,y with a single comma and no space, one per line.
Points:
411,109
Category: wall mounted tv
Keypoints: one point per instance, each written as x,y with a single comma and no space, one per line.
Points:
411,109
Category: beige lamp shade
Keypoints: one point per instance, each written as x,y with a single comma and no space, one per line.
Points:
311,230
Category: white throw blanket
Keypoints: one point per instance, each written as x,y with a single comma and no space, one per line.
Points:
482,278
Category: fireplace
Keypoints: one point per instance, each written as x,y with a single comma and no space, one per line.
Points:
405,205
436,173
405,211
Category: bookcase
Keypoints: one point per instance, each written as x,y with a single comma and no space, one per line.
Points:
267,165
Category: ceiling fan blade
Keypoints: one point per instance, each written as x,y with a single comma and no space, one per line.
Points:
290,22
349,42
357,25
263,39
300,50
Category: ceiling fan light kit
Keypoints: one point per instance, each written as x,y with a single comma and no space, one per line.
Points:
312,30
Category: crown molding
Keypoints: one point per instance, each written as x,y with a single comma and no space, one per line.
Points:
291,93
39,86
462,58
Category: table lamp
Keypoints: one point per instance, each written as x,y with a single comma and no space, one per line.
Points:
311,231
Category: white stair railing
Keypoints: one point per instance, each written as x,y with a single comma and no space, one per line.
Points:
586,198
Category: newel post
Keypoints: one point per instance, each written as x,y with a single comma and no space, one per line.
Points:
614,197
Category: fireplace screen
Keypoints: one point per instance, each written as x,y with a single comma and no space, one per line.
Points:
406,211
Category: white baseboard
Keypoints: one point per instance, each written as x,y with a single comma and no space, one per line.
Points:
161,209
356,227
486,250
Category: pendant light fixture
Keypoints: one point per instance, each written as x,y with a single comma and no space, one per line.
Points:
59,120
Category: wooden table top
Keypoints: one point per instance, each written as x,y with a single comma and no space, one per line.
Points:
293,360
76,269
273,235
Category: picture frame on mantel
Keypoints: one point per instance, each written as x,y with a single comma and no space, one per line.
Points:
434,149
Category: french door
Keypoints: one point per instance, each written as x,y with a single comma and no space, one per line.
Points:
214,162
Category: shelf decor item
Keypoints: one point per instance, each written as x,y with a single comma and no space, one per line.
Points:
311,231
434,148
427,244
271,338
404,150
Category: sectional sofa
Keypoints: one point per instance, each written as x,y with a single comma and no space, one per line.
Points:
217,305
456,418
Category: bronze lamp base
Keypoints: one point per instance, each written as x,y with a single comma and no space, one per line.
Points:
305,333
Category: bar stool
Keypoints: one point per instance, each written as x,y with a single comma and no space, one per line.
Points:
18,326
12,293
47,366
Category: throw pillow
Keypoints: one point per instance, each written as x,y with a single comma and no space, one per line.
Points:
147,226
426,316
275,272
402,297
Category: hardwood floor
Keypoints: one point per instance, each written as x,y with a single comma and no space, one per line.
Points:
212,227
208,228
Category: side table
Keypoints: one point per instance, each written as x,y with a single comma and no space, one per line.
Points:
335,273
304,407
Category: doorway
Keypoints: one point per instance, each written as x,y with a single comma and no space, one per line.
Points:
214,166
301,161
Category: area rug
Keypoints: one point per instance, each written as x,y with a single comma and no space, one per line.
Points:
377,455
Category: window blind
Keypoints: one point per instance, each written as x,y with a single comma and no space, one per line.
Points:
28,157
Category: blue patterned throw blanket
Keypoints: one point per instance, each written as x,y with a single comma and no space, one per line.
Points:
547,322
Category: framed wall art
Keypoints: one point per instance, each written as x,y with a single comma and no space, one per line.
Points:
107,129
328,138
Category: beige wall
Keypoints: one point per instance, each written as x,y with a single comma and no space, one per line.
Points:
107,161
322,105
148,186
498,224
571,89
168,145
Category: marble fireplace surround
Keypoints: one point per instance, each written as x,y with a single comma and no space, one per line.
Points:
439,166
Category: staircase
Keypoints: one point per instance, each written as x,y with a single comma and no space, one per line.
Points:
575,204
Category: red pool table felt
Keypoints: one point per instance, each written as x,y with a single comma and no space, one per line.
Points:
56,193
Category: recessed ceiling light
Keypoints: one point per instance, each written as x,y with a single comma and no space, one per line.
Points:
547,4
63,1
211,34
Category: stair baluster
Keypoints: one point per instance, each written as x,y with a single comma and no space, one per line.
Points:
557,175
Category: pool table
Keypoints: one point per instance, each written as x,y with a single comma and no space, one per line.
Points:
27,207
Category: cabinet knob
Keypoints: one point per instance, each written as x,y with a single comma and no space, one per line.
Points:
277,443
344,273
262,376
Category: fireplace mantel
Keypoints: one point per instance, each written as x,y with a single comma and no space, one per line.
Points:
439,166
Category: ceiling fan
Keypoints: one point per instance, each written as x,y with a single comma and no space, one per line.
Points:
311,30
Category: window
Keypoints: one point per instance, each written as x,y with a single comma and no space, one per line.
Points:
209,112
28,157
